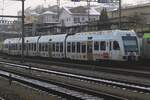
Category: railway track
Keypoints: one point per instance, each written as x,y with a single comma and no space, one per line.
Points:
44,85
140,88
138,71
141,65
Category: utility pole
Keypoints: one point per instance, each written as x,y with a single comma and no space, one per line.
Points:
88,7
58,8
22,36
120,12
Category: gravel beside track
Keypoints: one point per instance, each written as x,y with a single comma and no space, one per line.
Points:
17,91
99,87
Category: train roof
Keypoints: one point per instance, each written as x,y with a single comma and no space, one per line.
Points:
31,39
11,40
107,32
96,35
52,38
146,36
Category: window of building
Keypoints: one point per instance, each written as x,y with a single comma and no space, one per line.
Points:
76,19
103,45
96,45
116,45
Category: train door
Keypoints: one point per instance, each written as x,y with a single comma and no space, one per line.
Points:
50,49
115,51
90,50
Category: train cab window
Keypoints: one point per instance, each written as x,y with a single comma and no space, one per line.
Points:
54,47
103,45
68,47
78,47
61,47
83,48
57,47
73,47
116,45
96,46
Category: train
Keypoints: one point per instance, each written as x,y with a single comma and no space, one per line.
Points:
145,46
114,45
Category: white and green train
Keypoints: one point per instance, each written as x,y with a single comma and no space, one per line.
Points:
145,46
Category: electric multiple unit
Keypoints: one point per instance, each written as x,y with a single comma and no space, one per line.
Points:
118,45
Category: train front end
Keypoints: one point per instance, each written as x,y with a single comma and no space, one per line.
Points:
131,47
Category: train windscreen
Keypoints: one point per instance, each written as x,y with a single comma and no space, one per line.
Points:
130,43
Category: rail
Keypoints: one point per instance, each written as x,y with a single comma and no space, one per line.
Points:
127,85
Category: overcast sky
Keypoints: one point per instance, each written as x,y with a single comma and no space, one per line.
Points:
11,6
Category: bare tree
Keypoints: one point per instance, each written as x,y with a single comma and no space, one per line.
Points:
138,21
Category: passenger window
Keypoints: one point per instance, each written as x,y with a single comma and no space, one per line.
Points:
89,48
34,47
110,46
116,45
83,48
68,47
103,45
46,47
39,47
61,47
54,47
29,46
73,47
20,46
57,47
78,47
43,47
96,45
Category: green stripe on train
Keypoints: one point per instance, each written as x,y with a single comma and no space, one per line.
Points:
146,35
